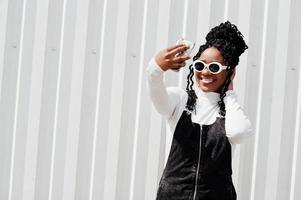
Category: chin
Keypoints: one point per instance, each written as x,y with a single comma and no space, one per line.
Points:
207,88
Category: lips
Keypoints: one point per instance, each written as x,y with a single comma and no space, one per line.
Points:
207,80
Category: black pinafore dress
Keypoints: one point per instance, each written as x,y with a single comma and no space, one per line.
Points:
199,163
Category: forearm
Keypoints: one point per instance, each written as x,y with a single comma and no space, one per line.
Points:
158,93
238,126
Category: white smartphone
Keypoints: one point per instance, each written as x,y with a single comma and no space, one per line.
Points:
187,43
187,51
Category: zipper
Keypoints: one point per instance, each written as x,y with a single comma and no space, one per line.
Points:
198,166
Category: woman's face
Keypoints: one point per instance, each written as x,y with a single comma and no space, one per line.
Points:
207,81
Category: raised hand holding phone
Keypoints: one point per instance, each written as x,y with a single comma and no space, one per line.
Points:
189,45
174,57
167,58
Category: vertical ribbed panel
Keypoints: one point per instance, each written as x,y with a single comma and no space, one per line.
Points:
76,121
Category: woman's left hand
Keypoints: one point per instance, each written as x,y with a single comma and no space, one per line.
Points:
230,87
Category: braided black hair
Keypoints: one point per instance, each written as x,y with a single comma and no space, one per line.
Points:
229,41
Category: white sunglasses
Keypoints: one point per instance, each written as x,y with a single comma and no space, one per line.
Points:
213,67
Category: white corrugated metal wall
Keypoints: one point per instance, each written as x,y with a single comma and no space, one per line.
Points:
75,118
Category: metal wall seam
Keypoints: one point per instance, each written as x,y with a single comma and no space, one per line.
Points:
277,106
137,118
296,140
75,117
260,94
3,21
73,124
115,115
31,152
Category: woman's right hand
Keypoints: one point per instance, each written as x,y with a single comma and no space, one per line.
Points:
167,58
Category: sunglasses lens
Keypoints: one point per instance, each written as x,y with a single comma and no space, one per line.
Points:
199,66
214,67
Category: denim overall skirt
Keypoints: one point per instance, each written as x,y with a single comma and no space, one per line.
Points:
199,163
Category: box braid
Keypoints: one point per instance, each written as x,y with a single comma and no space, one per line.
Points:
229,41
190,105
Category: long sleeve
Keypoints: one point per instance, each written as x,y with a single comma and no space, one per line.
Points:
238,126
170,103
165,100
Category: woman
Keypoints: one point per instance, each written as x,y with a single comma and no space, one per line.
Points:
206,119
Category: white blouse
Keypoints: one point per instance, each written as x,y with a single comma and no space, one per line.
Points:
171,102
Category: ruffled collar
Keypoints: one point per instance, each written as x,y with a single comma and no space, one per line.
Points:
212,97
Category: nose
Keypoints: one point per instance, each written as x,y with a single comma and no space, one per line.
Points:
206,71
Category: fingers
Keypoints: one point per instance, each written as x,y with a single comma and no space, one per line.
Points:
178,61
230,87
179,49
174,47
233,75
181,59
172,64
166,58
179,65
